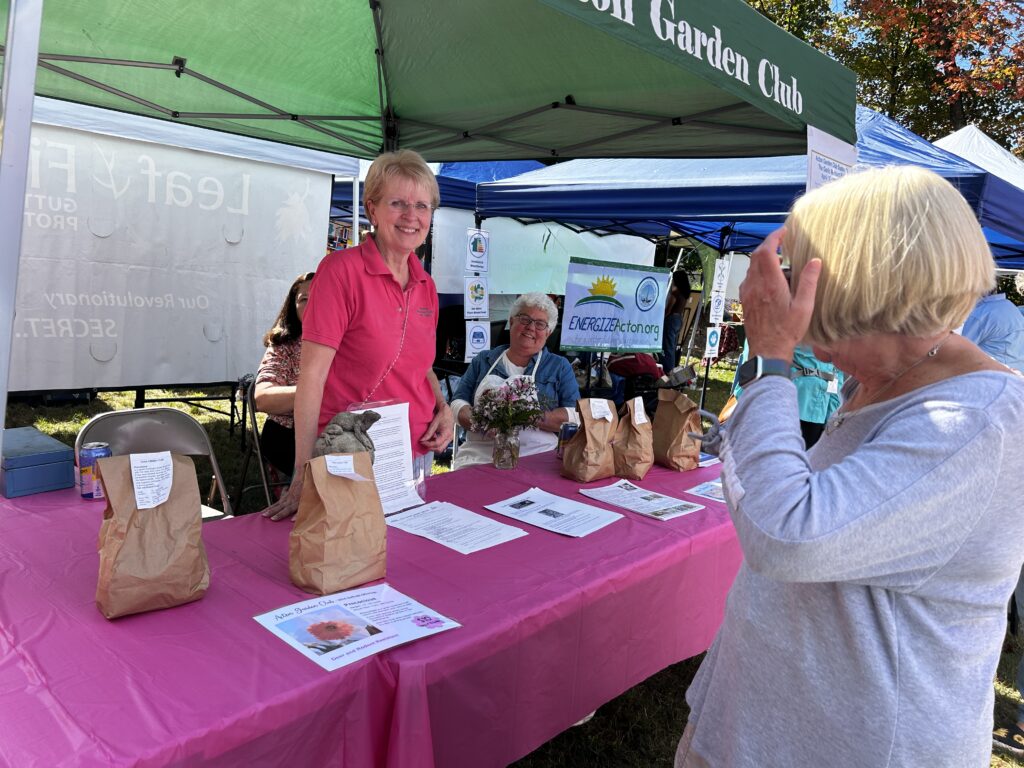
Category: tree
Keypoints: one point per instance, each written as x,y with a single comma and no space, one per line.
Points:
932,65
813,21
938,65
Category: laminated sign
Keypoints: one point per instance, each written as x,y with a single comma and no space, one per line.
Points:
714,337
614,307
475,299
478,338
478,247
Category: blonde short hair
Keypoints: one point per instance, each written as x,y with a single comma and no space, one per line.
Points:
901,253
401,164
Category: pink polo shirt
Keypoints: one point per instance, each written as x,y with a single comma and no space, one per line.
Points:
357,307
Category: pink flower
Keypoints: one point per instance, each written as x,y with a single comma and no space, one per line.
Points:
330,630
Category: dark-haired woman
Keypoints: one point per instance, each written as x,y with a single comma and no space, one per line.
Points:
278,375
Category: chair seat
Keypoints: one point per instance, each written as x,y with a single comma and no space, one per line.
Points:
210,514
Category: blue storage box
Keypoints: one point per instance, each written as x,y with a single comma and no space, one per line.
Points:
33,462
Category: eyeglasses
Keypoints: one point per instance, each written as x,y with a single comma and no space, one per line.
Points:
526,321
400,206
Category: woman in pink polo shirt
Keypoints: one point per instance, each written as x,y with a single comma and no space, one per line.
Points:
368,331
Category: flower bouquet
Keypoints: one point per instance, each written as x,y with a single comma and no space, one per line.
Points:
504,411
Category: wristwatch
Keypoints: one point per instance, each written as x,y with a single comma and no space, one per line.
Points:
758,366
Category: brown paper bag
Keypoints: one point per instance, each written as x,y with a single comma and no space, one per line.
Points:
588,454
150,558
338,540
675,418
633,446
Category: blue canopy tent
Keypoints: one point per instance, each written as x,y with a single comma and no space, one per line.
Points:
456,182
610,193
744,236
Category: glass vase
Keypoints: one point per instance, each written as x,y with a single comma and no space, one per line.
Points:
506,449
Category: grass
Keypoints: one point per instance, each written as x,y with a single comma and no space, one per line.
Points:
639,729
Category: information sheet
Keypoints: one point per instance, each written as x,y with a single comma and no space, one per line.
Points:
392,463
336,630
454,527
630,496
554,513
152,476
709,490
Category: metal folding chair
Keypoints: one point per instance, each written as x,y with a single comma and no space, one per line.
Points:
150,430
251,437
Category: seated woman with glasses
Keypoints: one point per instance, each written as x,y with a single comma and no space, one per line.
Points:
532,318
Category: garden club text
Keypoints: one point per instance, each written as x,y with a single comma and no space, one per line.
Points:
708,46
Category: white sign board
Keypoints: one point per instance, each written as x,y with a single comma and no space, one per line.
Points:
474,299
478,338
717,308
145,265
614,307
478,246
718,286
714,337
828,158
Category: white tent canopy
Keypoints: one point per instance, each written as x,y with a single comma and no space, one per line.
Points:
973,145
111,123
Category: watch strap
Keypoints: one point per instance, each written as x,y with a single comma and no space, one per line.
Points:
758,367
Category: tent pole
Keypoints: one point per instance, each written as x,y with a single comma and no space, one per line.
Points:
355,210
24,20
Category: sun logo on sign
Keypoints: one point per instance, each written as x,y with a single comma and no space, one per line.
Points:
602,291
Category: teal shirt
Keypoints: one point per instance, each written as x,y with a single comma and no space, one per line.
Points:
814,400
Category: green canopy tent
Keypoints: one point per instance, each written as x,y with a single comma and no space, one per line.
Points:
455,80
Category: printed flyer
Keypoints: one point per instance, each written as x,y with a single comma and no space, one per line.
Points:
336,630
710,490
634,498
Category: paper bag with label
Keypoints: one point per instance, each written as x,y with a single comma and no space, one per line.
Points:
150,558
676,417
588,454
338,540
633,446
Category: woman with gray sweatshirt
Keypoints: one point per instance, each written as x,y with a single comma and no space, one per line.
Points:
867,619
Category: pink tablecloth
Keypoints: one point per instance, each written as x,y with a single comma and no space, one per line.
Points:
553,627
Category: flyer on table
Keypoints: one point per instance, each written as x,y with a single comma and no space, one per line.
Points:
336,630
709,490
454,527
634,498
554,513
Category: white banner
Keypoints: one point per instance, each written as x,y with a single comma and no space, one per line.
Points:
474,299
828,158
614,307
523,258
150,265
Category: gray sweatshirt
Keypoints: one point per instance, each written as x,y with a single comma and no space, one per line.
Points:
867,618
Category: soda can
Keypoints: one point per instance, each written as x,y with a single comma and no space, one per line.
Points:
565,434
87,455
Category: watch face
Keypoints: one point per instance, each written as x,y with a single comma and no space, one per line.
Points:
748,372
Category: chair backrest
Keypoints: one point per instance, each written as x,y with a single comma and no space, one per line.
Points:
149,430
254,435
